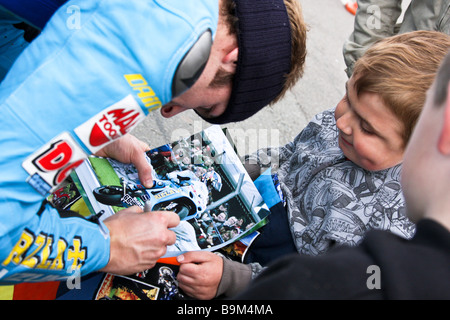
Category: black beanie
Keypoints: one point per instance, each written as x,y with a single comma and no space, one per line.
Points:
264,42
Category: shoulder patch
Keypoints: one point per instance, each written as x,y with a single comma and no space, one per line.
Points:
53,162
109,124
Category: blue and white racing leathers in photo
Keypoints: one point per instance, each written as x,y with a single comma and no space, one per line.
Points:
96,70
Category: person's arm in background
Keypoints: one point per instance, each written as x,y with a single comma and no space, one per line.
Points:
374,20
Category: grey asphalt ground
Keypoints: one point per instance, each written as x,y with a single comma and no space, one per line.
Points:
321,87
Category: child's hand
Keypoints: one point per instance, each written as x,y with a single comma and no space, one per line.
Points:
200,274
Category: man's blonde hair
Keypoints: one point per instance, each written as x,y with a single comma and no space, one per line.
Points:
401,69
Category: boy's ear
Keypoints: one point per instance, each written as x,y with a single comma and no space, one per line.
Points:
229,61
444,138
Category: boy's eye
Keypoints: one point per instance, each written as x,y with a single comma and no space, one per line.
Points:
364,128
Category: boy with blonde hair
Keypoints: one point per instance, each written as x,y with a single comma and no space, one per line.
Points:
341,175
384,266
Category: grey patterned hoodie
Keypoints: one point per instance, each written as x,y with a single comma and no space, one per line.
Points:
329,199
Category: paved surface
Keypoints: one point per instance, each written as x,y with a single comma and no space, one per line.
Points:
321,87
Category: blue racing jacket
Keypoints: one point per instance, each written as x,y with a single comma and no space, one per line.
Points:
96,70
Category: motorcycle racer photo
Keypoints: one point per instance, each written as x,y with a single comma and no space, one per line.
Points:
201,193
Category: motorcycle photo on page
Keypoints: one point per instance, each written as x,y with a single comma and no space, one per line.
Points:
202,179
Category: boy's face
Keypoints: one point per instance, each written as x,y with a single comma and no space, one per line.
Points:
426,164
417,156
370,135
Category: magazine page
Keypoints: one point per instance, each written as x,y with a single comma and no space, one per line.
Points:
67,196
199,177
202,179
86,180
158,283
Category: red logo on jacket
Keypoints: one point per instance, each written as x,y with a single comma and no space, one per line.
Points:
113,124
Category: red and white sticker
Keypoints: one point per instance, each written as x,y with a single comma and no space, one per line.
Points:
112,123
54,161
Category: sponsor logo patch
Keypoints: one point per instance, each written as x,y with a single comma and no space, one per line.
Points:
53,162
110,124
